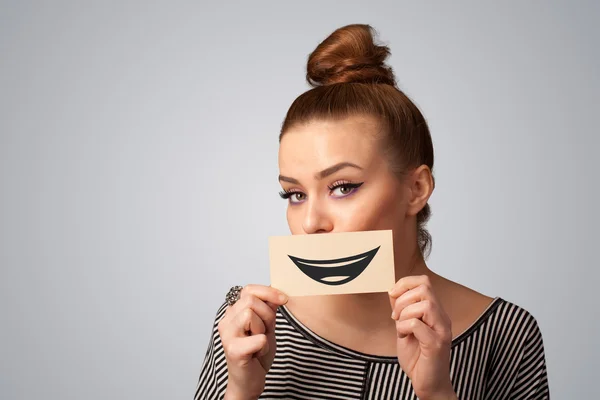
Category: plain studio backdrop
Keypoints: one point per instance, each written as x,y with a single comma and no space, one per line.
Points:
138,173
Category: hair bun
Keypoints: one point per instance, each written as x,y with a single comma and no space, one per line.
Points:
348,55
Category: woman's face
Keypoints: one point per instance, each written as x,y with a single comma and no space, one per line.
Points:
336,179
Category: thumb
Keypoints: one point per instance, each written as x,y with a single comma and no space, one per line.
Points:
392,302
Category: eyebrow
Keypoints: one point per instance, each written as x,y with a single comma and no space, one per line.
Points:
323,174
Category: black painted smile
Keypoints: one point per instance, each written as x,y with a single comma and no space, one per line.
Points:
351,267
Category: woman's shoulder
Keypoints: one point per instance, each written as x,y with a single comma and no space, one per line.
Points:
471,311
511,340
505,324
220,313
513,321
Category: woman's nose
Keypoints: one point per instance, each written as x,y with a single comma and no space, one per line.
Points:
316,219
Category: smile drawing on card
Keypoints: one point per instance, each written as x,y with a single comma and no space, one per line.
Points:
337,271
332,263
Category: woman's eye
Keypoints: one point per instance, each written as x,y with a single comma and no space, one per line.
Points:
296,197
343,190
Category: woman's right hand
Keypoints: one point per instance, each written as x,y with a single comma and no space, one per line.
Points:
248,336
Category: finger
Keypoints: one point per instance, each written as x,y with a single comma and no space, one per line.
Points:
244,348
416,327
266,294
247,322
412,296
428,339
266,313
272,306
407,283
264,349
427,312
229,326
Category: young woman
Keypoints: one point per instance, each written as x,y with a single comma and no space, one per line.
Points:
356,154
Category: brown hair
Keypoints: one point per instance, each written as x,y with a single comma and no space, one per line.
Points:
349,77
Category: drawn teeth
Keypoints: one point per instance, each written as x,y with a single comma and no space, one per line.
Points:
335,271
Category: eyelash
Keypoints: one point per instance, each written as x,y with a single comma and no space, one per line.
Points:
286,194
344,184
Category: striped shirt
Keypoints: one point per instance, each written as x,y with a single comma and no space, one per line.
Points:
500,356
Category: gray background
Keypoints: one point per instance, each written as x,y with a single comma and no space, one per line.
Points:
138,165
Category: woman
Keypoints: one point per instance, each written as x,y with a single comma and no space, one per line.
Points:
356,154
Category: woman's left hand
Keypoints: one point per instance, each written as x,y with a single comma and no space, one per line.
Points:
424,337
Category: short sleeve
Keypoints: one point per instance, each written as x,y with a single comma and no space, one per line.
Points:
531,379
212,382
518,370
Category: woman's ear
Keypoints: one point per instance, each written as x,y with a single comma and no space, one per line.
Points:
421,185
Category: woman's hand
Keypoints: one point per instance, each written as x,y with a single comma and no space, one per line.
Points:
248,336
424,337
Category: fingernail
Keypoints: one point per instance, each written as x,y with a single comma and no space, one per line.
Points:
283,298
391,291
393,314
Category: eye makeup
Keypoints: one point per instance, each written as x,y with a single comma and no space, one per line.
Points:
345,188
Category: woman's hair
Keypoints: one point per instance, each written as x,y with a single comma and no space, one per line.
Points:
350,78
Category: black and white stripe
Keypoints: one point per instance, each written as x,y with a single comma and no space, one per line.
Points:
501,356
